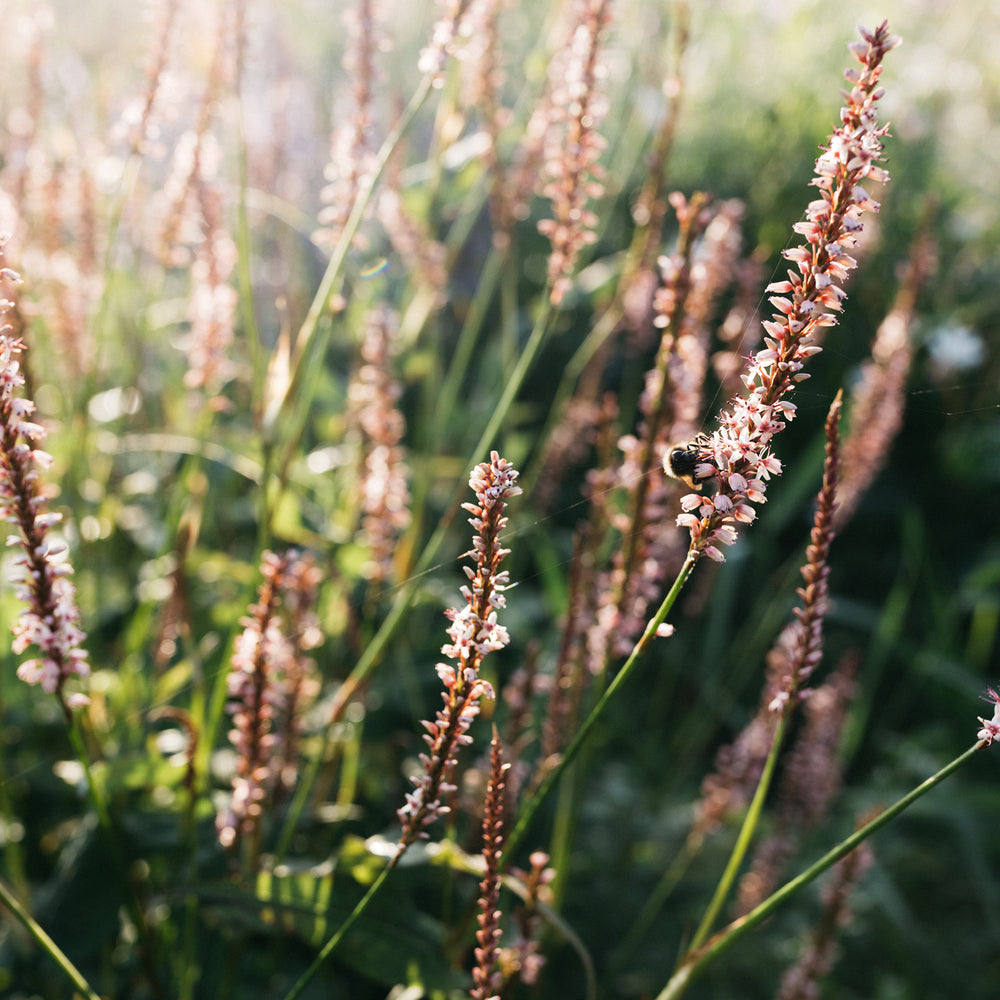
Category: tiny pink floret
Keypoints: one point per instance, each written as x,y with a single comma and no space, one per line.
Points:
990,730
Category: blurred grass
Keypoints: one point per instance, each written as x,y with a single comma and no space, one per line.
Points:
914,579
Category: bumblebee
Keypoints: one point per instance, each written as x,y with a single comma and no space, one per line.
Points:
683,460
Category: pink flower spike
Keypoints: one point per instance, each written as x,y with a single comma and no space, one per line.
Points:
475,633
50,620
740,449
269,686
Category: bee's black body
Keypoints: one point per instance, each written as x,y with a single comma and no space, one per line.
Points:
683,460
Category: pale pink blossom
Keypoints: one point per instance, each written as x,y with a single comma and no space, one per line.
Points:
268,685
474,632
374,415
448,36
573,145
352,161
990,730
50,620
804,304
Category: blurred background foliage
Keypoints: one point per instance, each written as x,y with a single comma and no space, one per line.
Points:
915,579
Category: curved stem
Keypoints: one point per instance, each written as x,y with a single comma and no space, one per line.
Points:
695,960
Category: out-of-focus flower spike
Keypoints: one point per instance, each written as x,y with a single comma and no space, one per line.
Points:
352,147
573,144
50,621
446,35
878,399
373,396
802,980
268,687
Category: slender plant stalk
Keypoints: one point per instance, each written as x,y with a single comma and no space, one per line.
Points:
327,950
531,806
35,929
745,837
284,415
101,322
244,255
604,328
697,959
13,850
467,339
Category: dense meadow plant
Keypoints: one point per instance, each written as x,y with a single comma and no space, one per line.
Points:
50,620
266,333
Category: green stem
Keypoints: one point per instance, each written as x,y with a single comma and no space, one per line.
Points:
530,808
243,272
101,321
747,831
13,849
696,959
467,339
603,329
73,974
513,384
328,948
